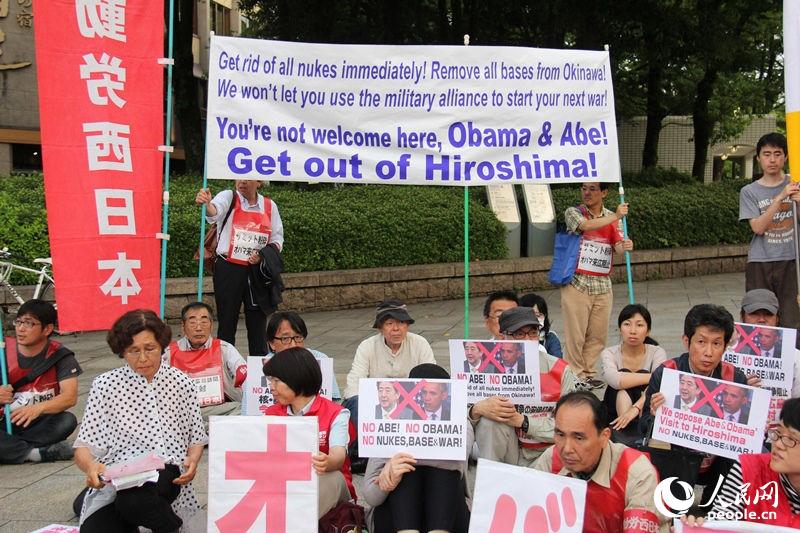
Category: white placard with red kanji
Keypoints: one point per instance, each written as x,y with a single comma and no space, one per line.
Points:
260,475
424,417
505,503
256,394
711,415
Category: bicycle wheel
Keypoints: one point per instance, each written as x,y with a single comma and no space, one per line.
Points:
47,292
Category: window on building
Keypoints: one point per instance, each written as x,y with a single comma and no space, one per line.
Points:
220,19
26,158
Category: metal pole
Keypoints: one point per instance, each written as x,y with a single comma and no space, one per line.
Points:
167,140
201,247
627,253
466,247
4,373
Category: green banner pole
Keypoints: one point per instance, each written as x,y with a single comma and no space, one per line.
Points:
168,150
4,373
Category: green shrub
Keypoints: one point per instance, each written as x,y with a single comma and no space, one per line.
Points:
325,228
676,216
658,177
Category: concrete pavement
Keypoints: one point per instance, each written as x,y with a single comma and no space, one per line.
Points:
35,495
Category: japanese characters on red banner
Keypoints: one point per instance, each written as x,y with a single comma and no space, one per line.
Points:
710,415
424,417
256,394
260,475
768,353
101,113
504,501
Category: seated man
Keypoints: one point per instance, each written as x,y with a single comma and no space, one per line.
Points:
215,366
503,434
43,377
390,353
495,304
707,330
621,481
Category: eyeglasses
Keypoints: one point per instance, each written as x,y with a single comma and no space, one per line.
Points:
773,435
530,333
149,351
297,339
25,324
204,321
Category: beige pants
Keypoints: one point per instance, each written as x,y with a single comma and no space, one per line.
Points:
585,329
499,442
332,491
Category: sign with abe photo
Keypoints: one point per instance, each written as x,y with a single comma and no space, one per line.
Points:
711,415
256,394
424,417
768,353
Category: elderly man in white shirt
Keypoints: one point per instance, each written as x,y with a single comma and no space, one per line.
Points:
390,353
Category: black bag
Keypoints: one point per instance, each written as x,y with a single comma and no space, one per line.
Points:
346,517
211,241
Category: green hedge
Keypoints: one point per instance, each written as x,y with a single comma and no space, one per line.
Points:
326,228
675,216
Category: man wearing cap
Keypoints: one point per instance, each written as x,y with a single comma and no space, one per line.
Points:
501,432
390,353
760,307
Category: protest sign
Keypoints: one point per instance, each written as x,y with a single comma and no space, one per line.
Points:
58,528
256,394
433,115
711,415
101,101
768,353
258,463
485,366
505,503
424,417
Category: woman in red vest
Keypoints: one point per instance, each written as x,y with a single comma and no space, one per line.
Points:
295,379
765,487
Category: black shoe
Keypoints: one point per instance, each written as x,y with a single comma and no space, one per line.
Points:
359,466
60,451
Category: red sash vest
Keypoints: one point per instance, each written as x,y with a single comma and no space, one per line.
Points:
325,411
205,368
252,228
45,387
605,507
756,472
596,252
551,392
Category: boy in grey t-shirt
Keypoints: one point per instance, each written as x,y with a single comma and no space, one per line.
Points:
767,205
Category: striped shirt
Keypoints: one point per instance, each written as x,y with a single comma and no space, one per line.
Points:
729,499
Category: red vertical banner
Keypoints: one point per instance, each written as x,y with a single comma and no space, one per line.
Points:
101,115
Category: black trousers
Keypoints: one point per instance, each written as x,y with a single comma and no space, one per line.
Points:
44,431
149,505
231,289
427,498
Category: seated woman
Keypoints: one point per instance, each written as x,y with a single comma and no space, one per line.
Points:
762,474
628,365
295,379
286,329
140,408
408,494
547,337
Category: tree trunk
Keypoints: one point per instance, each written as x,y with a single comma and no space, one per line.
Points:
655,115
702,124
184,84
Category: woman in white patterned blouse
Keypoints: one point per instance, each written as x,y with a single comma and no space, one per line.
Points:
140,408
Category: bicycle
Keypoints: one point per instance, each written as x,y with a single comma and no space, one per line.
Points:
44,282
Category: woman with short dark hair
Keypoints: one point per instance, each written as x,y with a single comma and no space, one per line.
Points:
547,337
295,380
287,329
141,408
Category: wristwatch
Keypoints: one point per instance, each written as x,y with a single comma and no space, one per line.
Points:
525,424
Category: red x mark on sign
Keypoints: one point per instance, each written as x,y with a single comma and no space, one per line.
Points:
746,339
489,358
270,470
407,399
708,397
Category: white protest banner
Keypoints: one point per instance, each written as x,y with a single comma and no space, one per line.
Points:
58,528
768,353
256,394
424,417
260,476
433,115
497,368
505,503
711,415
